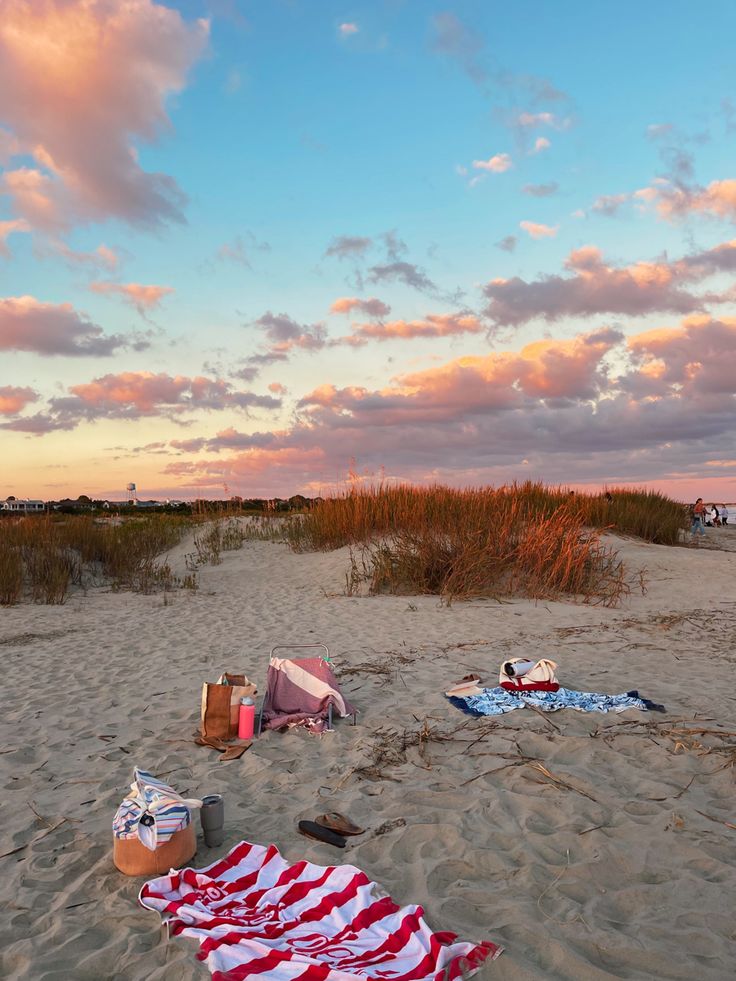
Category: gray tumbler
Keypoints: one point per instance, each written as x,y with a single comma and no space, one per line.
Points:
212,816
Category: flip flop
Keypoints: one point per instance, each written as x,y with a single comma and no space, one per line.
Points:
311,830
339,823
212,741
236,750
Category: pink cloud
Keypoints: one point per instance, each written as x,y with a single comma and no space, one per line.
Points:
14,400
150,393
277,388
347,29
537,230
27,324
718,200
372,306
553,410
79,80
496,164
433,325
102,257
541,143
595,287
143,298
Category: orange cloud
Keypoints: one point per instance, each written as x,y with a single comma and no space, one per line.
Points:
718,199
433,325
79,80
143,298
14,400
536,230
372,306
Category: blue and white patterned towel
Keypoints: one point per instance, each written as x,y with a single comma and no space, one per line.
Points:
498,701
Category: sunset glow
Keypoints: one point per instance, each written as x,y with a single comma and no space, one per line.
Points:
252,248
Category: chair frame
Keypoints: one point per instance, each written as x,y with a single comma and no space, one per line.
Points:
298,647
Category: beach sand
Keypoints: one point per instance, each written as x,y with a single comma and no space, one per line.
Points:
618,865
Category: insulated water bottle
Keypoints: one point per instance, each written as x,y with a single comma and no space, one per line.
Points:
246,715
212,818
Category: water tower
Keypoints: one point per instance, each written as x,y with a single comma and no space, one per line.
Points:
132,494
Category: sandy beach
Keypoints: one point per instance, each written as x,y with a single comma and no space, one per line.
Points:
620,863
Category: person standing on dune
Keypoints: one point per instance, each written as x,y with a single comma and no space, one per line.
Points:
698,519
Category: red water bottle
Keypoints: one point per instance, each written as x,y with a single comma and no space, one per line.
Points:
246,715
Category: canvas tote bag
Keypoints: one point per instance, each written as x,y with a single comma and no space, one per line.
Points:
220,704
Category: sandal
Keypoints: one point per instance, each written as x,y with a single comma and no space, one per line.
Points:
339,823
311,830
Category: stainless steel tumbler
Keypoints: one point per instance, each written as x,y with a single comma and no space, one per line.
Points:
212,816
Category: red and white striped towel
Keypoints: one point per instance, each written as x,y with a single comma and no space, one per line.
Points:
256,916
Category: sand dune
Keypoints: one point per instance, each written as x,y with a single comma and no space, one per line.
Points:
618,865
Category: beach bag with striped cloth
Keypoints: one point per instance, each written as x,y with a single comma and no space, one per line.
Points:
152,829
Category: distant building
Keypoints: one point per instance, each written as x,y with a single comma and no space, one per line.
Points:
23,506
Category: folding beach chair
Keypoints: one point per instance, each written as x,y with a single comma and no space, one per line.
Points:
296,688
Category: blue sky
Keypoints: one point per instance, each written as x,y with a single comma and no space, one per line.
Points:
402,138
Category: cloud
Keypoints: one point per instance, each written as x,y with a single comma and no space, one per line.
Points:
433,325
609,204
537,230
450,37
277,388
530,120
555,410
234,252
348,247
80,80
27,324
541,143
134,395
237,251
402,272
347,29
496,164
717,200
8,228
372,306
102,258
507,244
541,190
143,298
595,288
13,400
283,335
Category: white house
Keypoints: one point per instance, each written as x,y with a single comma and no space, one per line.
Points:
25,506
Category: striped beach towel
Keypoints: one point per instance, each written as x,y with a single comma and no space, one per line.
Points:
169,811
299,692
256,916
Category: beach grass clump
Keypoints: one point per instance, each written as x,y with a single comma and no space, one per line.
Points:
523,539
42,558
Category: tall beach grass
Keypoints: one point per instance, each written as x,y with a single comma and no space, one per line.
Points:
527,539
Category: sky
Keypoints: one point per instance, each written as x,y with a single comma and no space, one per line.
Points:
279,247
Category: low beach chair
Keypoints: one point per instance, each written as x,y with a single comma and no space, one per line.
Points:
301,690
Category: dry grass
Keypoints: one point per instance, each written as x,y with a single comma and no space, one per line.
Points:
528,539
42,558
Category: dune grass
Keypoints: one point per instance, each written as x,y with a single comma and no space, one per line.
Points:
41,558
526,539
